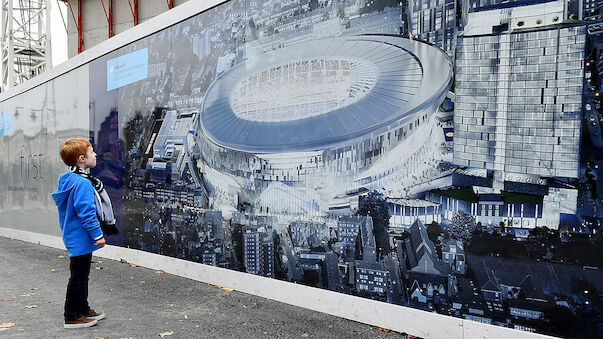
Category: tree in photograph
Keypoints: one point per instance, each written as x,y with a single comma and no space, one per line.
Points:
562,321
434,230
462,227
564,227
168,245
541,241
502,227
585,289
588,315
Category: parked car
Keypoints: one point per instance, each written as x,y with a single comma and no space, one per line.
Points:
588,107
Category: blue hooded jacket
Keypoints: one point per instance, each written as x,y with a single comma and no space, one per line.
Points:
77,214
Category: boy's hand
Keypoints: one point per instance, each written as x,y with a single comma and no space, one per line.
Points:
100,242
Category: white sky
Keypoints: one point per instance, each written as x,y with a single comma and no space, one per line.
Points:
58,35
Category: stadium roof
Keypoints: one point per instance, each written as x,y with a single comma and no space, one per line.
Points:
315,94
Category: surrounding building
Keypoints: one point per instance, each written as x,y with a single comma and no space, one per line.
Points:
368,247
170,144
519,102
258,251
434,21
371,277
405,211
591,10
333,275
422,254
427,275
348,228
453,254
306,234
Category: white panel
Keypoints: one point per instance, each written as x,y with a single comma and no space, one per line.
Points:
400,319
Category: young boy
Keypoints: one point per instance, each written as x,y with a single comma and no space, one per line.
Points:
80,229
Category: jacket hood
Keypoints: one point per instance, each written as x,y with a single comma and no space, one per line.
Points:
66,183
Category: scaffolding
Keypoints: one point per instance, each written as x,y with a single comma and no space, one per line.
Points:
25,50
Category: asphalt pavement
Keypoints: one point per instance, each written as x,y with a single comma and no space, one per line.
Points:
142,303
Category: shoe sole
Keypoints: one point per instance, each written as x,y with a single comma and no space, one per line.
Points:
82,325
98,317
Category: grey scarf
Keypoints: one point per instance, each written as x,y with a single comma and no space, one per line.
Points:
104,209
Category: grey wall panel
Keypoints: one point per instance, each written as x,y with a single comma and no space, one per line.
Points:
42,118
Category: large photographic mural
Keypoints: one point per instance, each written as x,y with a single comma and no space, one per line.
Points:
433,154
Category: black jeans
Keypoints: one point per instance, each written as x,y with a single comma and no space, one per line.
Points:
76,301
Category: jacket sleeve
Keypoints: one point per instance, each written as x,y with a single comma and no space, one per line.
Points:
86,209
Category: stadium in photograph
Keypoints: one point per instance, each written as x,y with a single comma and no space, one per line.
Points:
333,106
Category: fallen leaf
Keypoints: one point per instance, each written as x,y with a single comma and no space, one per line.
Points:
20,329
61,256
27,294
126,338
35,289
99,268
180,320
7,299
100,262
218,286
166,333
226,289
31,306
123,261
381,329
7,325
133,265
305,335
159,272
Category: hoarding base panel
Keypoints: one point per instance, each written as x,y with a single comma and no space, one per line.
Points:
142,303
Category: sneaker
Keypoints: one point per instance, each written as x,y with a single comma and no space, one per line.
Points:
80,322
91,314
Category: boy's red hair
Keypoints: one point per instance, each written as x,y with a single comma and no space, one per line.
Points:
71,149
